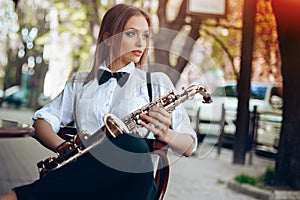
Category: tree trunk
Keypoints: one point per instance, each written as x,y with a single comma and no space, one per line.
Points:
163,40
36,85
287,170
13,73
243,85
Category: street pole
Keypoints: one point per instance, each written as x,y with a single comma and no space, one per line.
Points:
243,83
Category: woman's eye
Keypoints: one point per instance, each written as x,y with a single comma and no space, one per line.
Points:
130,33
146,35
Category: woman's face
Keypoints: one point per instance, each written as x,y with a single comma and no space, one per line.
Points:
134,40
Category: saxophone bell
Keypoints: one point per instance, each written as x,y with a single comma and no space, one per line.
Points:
114,125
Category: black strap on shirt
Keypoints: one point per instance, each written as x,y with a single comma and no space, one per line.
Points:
149,86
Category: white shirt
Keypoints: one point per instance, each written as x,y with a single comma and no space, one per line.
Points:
87,103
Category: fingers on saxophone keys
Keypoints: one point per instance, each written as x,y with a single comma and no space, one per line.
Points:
149,123
149,126
146,119
161,115
157,120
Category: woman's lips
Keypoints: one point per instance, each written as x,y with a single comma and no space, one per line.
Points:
137,52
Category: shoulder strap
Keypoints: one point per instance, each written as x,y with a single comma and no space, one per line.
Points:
149,87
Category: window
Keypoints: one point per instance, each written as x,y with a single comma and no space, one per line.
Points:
258,92
229,91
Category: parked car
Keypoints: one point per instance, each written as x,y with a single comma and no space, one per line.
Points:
265,96
1,95
13,96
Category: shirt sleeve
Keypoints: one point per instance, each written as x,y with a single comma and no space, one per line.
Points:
181,124
59,112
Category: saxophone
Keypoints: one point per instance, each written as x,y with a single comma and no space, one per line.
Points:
114,126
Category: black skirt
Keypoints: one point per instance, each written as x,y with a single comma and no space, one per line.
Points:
119,168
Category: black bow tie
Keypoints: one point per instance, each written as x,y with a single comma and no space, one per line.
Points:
104,76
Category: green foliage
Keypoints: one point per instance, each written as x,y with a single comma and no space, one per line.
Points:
264,180
268,176
244,178
79,20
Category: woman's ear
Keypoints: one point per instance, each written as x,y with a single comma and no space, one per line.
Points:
105,38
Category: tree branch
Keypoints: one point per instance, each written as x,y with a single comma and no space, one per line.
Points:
161,13
226,50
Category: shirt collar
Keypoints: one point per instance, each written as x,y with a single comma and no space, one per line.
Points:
128,68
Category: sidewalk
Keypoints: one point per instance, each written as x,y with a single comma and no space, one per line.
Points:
207,178
191,178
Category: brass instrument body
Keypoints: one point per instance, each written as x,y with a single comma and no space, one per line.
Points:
114,126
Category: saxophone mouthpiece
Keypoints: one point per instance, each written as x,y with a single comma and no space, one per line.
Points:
193,89
206,96
207,99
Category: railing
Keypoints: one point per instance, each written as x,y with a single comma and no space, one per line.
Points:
264,129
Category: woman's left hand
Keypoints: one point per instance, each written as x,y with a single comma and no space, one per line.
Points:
158,121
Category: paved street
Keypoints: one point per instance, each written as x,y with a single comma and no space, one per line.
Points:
206,178
191,178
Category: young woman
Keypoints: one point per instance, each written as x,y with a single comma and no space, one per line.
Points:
121,47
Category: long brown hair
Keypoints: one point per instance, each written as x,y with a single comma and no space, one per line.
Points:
113,23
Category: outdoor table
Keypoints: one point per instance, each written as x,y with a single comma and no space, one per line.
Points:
13,129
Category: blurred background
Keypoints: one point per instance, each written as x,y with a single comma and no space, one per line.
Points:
44,42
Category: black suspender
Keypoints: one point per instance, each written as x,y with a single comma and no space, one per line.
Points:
149,87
